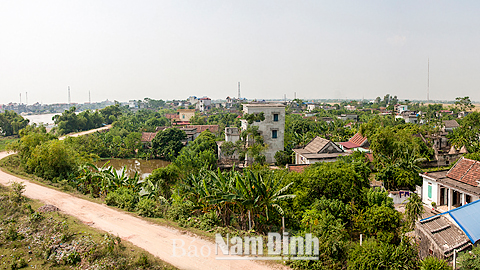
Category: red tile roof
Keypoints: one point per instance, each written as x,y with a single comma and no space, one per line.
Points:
349,145
148,136
297,167
466,171
358,139
172,116
202,128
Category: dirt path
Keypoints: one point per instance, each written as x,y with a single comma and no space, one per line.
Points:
157,240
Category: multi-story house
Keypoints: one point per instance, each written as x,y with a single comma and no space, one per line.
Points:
272,128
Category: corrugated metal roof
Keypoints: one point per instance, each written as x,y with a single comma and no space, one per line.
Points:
468,218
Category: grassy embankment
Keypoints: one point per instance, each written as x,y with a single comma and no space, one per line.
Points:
4,141
52,240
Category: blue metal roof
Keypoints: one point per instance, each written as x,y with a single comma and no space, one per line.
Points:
468,218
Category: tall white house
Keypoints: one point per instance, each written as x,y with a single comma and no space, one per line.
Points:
272,128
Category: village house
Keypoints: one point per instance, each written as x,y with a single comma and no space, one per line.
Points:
449,125
184,115
346,117
408,116
232,134
312,106
318,150
204,104
444,153
453,188
357,142
272,128
453,231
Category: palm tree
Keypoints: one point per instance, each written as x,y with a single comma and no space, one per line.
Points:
413,210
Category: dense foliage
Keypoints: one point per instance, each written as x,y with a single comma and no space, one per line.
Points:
11,123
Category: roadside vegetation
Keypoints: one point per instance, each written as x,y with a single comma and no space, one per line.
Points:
39,237
334,201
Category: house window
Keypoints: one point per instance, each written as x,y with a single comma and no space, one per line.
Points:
429,191
274,134
183,116
275,117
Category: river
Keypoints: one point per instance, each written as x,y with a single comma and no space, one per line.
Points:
143,167
41,118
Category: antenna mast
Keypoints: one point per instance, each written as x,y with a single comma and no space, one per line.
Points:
428,81
89,98
20,98
239,90
69,95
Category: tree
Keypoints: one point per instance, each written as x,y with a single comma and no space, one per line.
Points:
413,210
464,103
468,133
11,123
160,182
53,159
111,113
168,142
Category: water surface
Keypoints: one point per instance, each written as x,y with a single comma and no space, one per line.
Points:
143,167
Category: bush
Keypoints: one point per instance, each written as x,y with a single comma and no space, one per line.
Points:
123,198
148,208
469,259
433,263
53,159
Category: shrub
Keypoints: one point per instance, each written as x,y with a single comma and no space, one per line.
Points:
148,208
433,263
123,198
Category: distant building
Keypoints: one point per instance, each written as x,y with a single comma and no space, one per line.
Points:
408,116
272,128
401,108
449,125
311,107
350,108
318,150
185,114
204,104
346,117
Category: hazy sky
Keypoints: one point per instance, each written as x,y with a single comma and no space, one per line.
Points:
124,50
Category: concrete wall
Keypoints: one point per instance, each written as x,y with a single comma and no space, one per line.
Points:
426,243
265,127
435,196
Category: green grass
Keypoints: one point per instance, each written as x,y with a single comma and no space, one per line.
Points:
4,141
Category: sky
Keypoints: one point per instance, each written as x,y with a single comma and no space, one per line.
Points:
122,50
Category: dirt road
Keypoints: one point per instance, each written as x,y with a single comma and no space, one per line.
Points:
86,132
155,239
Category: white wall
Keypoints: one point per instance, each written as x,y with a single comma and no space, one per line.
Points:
266,126
435,194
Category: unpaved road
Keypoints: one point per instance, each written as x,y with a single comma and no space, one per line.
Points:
86,132
156,239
